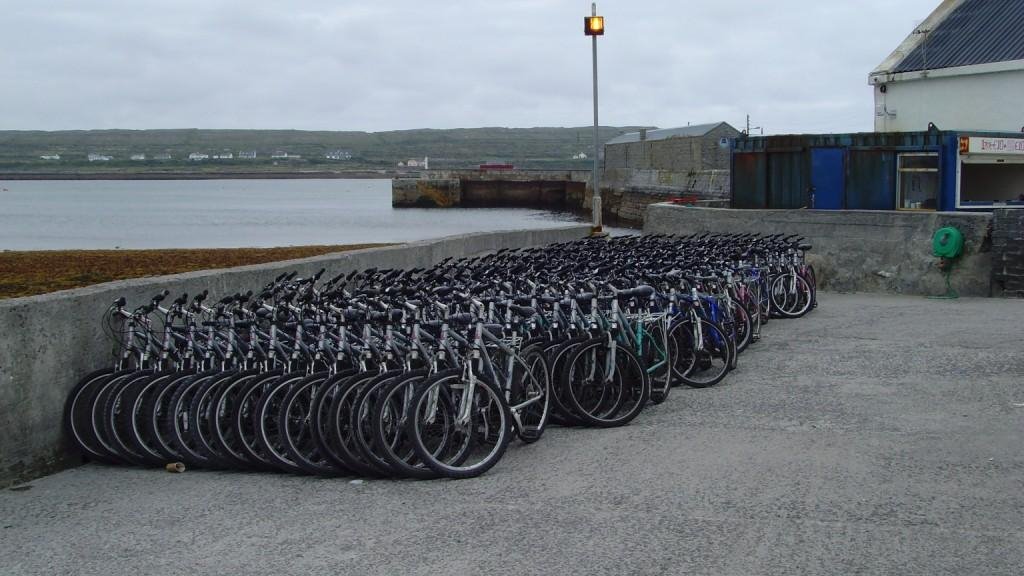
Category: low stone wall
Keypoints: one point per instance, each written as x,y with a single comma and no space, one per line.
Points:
1008,252
49,342
553,194
629,205
426,193
705,184
856,250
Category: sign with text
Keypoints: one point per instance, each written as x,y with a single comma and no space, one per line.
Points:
983,145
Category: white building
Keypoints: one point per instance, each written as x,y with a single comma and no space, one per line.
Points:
99,158
415,163
50,157
247,155
961,69
198,156
223,156
279,155
162,156
579,156
338,155
138,157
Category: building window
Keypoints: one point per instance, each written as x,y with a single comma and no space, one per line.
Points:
992,182
918,181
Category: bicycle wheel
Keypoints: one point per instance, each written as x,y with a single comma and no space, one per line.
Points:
812,281
705,348
155,404
203,419
480,425
791,296
562,407
222,434
390,418
751,304
339,429
179,422
242,410
135,413
607,385
78,415
100,425
266,419
656,357
320,420
296,424
744,325
120,416
361,422
529,398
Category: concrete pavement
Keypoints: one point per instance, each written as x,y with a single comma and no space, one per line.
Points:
878,435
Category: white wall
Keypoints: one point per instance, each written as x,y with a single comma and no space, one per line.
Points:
991,102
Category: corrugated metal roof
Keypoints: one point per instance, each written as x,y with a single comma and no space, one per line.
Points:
665,133
975,32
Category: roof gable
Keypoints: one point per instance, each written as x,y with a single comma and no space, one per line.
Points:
962,33
666,133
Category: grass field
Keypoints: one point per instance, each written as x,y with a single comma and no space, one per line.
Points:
540,148
38,272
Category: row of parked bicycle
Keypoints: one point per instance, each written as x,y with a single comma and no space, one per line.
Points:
430,372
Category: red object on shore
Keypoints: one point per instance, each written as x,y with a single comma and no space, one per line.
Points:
497,167
684,200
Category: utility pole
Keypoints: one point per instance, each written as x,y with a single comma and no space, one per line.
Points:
747,131
593,26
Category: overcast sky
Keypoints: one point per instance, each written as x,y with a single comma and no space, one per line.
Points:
793,65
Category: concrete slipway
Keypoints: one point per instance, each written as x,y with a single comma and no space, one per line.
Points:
879,435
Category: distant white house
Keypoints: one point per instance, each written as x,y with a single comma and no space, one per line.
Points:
50,157
415,163
279,155
198,156
338,155
247,155
162,156
138,157
223,156
579,156
99,158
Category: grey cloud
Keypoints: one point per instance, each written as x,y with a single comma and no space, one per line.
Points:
794,65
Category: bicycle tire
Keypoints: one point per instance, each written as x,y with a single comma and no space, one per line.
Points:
606,400
495,418
709,361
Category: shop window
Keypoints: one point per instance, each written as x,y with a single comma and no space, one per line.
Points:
918,182
996,182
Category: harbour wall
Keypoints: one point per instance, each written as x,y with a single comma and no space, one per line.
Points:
549,190
857,250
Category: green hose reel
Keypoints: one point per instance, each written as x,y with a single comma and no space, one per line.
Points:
947,244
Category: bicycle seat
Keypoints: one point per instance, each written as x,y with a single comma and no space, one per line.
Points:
460,319
643,291
524,311
584,297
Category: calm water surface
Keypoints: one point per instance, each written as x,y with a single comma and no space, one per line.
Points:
90,214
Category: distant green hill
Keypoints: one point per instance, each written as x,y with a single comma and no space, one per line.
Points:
21,151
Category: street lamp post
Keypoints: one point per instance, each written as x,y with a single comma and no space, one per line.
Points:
593,26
